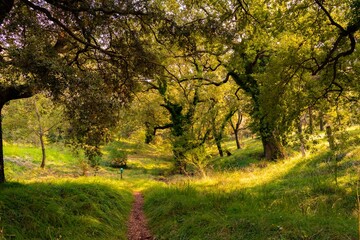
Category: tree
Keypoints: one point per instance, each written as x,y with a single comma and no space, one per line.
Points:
32,120
235,126
273,52
86,56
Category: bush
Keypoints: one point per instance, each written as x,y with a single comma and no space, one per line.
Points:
117,156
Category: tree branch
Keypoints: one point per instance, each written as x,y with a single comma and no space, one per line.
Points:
5,8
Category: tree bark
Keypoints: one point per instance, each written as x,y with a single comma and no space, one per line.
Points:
219,147
273,150
330,138
41,136
236,129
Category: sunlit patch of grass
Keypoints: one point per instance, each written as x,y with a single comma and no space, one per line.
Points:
296,198
240,158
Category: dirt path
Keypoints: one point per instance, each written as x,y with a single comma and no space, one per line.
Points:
137,225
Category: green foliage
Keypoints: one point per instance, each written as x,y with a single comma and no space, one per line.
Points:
20,122
199,160
116,156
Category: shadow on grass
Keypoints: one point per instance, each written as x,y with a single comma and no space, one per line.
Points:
63,210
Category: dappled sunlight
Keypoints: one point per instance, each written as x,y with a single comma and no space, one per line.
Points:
251,176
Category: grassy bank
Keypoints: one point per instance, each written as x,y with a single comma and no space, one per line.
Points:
242,197
297,198
84,208
58,203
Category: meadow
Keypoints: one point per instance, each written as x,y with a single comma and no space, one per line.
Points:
239,196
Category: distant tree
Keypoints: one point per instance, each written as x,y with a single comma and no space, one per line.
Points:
32,120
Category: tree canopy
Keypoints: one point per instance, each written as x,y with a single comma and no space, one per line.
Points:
93,57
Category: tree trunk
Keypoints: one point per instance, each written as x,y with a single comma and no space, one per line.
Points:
2,172
330,138
219,147
149,133
236,129
180,164
273,149
237,139
42,151
41,135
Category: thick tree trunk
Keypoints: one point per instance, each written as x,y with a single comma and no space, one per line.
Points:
180,164
273,149
149,133
2,172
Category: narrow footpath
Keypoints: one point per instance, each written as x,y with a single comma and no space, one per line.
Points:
137,225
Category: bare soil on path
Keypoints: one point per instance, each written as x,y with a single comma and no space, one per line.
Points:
137,225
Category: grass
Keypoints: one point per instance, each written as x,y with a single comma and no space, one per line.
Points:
297,198
64,209
58,203
241,197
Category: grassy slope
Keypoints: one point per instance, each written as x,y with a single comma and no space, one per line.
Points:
241,198
64,209
292,199
58,203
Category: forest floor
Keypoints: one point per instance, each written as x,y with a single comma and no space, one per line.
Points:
137,225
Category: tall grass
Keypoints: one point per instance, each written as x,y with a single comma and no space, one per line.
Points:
81,208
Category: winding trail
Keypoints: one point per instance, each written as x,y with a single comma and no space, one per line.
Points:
137,225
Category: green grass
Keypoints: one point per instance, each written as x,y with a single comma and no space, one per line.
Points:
81,208
242,196
297,198
57,203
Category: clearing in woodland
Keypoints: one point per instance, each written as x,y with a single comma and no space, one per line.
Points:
239,196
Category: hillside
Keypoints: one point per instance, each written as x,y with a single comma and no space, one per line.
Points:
241,197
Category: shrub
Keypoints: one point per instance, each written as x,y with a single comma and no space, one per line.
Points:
117,156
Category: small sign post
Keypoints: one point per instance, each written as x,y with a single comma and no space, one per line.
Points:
121,172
